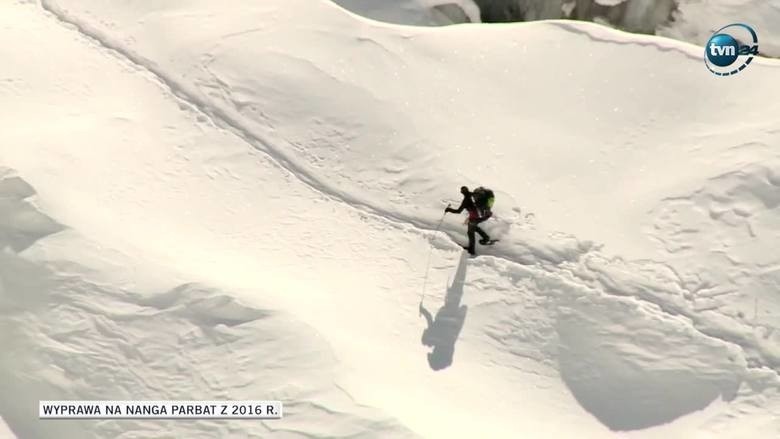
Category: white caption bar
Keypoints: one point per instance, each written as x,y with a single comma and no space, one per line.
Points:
160,410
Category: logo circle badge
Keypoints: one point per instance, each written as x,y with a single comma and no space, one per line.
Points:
730,49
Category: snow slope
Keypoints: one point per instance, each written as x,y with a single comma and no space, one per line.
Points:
5,431
240,203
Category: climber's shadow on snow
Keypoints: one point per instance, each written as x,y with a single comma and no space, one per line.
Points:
443,330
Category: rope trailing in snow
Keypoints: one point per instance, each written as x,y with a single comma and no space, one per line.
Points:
430,253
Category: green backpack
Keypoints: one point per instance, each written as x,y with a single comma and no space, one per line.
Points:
484,198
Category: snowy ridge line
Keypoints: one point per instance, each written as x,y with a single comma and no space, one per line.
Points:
674,45
642,40
646,41
220,118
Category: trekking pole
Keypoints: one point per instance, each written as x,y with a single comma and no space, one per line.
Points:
430,253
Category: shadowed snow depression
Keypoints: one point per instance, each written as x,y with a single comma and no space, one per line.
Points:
203,201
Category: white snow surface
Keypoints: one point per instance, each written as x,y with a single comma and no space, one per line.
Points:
210,202
5,431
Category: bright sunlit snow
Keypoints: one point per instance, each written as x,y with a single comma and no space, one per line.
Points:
209,202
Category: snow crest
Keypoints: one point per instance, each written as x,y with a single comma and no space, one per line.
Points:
686,20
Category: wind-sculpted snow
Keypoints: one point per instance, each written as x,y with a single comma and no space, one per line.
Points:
250,216
607,369
610,350
20,223
66,337
722,239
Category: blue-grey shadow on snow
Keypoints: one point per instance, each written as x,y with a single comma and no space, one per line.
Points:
643,376
443,330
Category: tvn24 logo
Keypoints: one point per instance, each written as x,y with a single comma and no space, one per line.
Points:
730,49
